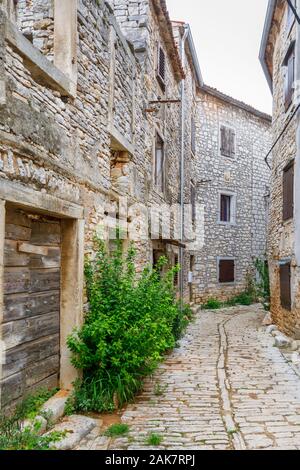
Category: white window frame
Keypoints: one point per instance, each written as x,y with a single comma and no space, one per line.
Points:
229,126
232,207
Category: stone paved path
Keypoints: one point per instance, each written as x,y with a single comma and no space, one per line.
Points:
225,387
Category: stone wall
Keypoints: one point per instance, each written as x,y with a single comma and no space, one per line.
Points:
93,148
282,234
246,176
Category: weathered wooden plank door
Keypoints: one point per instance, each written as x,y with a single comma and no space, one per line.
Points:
31,323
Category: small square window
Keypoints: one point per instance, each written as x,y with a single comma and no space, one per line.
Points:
226,271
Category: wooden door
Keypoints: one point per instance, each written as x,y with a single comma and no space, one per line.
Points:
31,323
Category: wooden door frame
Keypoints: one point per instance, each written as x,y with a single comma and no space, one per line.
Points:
72,262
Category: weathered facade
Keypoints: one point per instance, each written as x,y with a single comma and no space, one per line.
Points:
280,56
83,137
103,116
233,188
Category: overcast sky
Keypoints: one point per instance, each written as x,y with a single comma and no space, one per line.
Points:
227,36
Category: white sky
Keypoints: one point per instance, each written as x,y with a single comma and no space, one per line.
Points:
227,35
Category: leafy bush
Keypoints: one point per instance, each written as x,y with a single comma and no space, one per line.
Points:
212,304
132,321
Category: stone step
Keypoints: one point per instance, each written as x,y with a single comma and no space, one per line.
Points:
77,428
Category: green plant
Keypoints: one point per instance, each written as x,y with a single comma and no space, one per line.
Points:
245,298
15,436
132,321
160,390
32,404
263,282
117,430
212,304
154,439
181,321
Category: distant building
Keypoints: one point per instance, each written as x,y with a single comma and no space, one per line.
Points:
232,181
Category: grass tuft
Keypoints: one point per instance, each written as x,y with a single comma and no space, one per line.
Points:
116,430
154,439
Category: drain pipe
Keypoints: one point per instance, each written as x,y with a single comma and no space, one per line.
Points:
297,160
182,168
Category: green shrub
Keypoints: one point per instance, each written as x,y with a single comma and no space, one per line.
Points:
132,321
212,304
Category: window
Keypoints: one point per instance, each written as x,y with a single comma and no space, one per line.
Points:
289,64
285,286
193,201
226,271
176,275
193,136
159,163
288,191
290,16
227,208
227,144
161,68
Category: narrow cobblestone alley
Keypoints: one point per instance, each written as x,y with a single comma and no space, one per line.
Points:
225,387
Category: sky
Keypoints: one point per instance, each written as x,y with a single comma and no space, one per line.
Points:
227,35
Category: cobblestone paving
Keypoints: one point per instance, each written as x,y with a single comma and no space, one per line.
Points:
225,387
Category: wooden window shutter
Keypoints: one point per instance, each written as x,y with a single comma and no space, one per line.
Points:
285,286
223,140
176,275
231,142
288,192
226,271
289,78
193,136
161,68
159,163
193,202
227,142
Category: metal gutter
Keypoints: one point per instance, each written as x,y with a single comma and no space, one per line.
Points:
182,168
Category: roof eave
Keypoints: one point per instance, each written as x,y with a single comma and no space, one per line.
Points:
264,41
195,60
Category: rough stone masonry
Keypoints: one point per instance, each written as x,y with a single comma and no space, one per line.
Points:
90,114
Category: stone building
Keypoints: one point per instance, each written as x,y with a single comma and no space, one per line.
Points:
91,129
232,182
280,54
101,108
